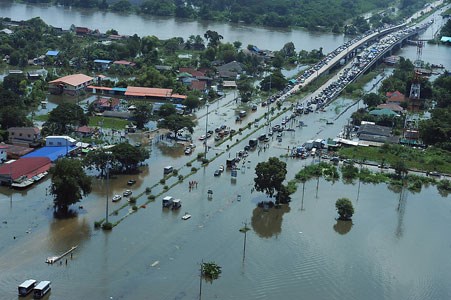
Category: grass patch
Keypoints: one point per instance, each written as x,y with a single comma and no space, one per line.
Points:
113,123
431,159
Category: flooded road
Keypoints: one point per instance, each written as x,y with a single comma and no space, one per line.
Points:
296,249
397,246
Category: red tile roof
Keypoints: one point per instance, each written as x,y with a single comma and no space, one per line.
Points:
395,96
84,129
124,62
73,80
198,85
25,167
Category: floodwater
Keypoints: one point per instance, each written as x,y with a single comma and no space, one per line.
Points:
384,253
397,246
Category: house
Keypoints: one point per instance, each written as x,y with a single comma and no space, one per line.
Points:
395,97
3,153
124,63
394,107
71,84
37,74
106,103
82,30
24,136
198,85
23,168
372,129
230,70
84,131
59,141
102,64
383,112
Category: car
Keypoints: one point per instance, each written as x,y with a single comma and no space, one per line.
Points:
221,168
131,182
127,193
335,159
279,134
137,145
217,173
116,198
237,119
202,137
254,107
188,151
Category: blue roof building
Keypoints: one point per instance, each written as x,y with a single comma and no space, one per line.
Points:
52,53
52,153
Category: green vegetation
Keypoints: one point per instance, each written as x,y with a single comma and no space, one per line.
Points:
210,270
344,208
431,159
69,184
269,179
315,15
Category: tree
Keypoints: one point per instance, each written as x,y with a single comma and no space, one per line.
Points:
99,160
128,157
344,208
213,38
142,115
65,117
69,183
270,176
176,122
372,100
400,168
245,89
166,110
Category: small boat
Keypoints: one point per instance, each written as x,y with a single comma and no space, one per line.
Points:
23,183
116,198
329,123
54,259
186,216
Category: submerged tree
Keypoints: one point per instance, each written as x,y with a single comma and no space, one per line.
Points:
270,176
344,208
69,183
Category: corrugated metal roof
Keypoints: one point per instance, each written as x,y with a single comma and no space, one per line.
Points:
24,166
148,92
51,153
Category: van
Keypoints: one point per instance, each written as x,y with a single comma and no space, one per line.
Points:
242,113
253,143
168,170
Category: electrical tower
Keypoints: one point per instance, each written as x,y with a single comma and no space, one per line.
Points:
416,86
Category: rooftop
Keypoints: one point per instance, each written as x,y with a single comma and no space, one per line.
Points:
74,79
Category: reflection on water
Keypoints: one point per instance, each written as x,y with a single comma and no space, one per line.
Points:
267,223
342,227
171,150
65,233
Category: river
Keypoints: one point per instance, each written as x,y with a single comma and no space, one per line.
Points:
397,246
165,28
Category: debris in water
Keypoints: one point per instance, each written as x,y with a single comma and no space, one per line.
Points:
155,263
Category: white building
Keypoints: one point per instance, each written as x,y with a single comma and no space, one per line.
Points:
60,141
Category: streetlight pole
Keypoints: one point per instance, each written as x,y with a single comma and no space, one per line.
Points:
107,191
206,132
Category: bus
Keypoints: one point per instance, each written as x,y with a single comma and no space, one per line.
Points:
41,289
26,287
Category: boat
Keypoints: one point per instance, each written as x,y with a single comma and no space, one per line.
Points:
116,198
41,289
24,183
26,287
329,123
186,216
54,259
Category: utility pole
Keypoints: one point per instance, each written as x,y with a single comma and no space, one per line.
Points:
200,279
206,131
244,230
